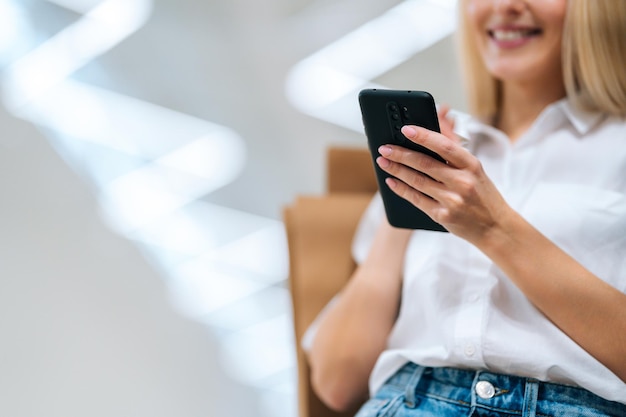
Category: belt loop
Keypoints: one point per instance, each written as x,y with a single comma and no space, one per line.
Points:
411,386
530,398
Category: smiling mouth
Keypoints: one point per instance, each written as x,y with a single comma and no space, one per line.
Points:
507,35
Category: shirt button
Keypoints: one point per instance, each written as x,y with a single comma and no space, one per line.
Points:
470,350
485,390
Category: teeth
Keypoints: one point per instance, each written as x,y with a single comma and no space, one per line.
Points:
510,35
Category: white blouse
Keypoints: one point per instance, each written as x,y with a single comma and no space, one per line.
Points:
567,177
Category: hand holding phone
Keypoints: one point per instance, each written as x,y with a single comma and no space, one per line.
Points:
384,113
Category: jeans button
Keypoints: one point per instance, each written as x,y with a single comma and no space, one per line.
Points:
485,390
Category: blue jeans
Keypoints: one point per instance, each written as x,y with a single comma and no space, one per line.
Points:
416,391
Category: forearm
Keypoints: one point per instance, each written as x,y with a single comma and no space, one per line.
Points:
353,332
587,309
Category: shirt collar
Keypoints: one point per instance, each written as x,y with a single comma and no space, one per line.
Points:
583,121
467,126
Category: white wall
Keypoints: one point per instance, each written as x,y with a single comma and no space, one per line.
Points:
86,326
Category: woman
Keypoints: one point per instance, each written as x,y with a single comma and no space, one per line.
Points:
521,308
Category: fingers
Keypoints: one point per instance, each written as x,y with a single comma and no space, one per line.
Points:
418,199
427,175
447,148
456,193
398,160
414,183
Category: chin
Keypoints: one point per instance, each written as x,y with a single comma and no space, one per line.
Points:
513,71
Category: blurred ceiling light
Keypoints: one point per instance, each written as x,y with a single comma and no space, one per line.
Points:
264,251
259,351
201,288
177,158
213,231
149,193
450,4
12,19
325,84
78,6
161,163
99,30
217,157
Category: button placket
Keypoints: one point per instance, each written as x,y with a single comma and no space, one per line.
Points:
469,326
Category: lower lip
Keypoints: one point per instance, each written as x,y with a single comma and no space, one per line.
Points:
513,43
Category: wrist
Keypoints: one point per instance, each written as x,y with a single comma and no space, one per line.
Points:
499,238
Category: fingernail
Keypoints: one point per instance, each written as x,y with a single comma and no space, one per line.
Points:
409,131
384,150
382,162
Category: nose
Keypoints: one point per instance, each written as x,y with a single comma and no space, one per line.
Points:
509,6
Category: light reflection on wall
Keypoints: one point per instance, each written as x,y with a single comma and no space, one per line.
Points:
150,167
325,84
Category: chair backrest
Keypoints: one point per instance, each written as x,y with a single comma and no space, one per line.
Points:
319,234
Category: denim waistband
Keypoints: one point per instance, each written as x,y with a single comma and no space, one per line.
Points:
506,393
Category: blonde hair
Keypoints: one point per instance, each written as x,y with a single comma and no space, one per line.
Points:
594,55
594,60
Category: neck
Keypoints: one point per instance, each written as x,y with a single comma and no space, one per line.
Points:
523,102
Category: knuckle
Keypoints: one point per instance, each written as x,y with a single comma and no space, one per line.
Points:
404,155
475,167
451,208
454,204
416,198
417,180
407,192
427,163
403,190
449,147
466,186
442,215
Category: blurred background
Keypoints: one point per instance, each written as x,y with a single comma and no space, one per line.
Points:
147,148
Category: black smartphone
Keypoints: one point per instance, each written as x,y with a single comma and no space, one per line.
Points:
384,113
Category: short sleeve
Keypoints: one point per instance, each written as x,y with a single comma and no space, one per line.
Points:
369,223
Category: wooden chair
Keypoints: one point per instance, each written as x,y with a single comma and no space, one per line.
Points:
319,234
